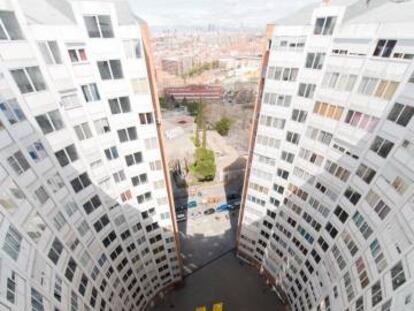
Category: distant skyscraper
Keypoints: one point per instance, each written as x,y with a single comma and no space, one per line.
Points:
86,211
328,212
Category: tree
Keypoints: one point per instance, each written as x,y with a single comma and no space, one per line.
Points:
204,167
197,137
204,139
222,126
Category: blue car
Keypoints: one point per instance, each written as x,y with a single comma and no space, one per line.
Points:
224,207
191,204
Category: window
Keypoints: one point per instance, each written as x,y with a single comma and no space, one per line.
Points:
37,301
67,155
277,99
119,176
328,110
70,269
379,206
102,126
55,251
12,243
146,118
381,146
81,182
120,105
111,153
362,225
77,55
324,25
12,111
18,162
83,131
101,223
272,122
299,115
132,48
400,114
50,52
90,92
365,173
376,293
352,195
151,143
9,27
36,151
50,121
133,159
378,255
55,182
384,48
336,170
144,197
292,137
341,214
29,79
306,90
110,69
69,99
315,60
127,134
92,204
99,26
386,89
331,230
361,120
41,195
285,74
397,276
82,287
139,179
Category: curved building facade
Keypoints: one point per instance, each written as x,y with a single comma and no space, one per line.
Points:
86,213
328,203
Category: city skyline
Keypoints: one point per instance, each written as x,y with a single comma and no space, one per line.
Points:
227,13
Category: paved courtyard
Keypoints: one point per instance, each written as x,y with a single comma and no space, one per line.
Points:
226,280
205,237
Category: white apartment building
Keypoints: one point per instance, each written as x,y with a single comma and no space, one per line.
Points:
86,213
328,204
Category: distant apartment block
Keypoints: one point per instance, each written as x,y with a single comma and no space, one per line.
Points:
204,93
328,203
86,213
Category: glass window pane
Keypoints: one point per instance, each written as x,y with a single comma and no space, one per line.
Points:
22,81
104,70
45,53
44,124
55,51
10,22
37,78
56,119
106,26
92,26
116,69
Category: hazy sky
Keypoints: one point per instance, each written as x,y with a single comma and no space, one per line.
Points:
252,13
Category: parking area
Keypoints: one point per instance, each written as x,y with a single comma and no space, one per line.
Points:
205,237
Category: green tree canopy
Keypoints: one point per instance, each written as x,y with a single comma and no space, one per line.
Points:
223,125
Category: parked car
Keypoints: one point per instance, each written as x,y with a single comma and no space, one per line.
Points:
191,204
209,211
181,217
224,207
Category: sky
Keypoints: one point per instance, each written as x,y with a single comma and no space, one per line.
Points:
230,13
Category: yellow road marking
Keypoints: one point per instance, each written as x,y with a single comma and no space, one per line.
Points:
218,306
